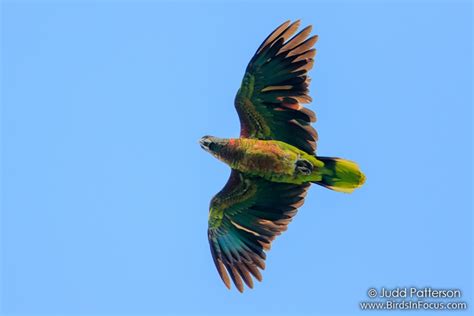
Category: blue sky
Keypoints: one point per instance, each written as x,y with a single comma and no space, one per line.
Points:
105,190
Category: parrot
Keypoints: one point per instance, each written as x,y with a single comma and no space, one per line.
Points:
274,161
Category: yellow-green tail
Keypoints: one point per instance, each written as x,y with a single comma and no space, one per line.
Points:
340,174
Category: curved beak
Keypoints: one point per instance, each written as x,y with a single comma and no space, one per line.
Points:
204,143
201,143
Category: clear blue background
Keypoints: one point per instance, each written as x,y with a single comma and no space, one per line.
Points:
105,190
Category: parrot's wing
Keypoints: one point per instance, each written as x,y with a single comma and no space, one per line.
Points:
244,218
275,85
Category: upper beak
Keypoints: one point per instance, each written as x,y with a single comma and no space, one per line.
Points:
202,142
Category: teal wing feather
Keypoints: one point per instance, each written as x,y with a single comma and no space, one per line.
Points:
274,87
244,218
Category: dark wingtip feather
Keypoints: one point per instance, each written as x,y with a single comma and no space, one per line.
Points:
235,277
273,35
244,273
297,39
254,271
220,266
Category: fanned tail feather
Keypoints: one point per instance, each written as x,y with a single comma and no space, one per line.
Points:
340,175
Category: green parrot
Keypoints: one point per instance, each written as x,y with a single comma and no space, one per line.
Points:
274,161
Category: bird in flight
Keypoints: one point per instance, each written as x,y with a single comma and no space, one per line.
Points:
274,161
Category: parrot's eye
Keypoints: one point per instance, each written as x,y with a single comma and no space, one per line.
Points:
211,146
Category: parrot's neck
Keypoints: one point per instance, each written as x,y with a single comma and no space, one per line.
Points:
231,152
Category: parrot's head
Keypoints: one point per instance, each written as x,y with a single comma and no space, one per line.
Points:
212,145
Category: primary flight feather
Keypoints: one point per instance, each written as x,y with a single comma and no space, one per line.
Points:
274,161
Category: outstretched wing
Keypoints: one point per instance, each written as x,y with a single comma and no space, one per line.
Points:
275,85
244,218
